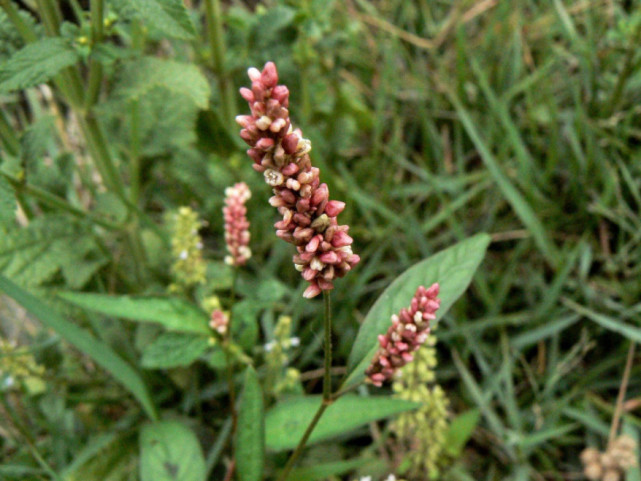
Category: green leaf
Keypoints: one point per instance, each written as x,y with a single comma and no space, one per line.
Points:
97,350
36,63
174,314
32,255
326,470
244,329
460,431
7,202
174,349
631,332
287,421
250,441
517,201
453,268
138,77
169,16
169,451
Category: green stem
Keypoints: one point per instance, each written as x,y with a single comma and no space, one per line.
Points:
327,375
228,360
134,161
621,396
217,46
95,67
23,29
57,202
328,398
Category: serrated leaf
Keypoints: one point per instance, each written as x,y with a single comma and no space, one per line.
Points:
36,63
287,421
34,254
453,268
138,77
169,451
97,350
169,16
174,349
7,202
174,314
250,441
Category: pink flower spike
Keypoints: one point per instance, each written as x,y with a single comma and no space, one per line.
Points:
236,224
408,331
309,217
219,321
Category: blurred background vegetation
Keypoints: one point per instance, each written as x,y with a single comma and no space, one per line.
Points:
433,120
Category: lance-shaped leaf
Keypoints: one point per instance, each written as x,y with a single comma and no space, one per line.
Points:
173,314
452,268
250,441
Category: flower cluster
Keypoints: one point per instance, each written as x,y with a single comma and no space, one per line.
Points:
236,224
408,331
18,367
280,378
613,463
422,432
219,321
186,248
282,155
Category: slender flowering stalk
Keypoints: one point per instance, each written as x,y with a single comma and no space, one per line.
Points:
408,331
282,155
236,224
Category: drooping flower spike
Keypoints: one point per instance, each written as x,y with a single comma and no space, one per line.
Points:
236,224
282,155
408,331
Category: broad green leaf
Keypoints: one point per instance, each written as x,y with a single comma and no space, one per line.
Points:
174,314
250,440
36,63
97,350
169,16
138,77
169,451
287,421
452,268
33,254
460,431
174,349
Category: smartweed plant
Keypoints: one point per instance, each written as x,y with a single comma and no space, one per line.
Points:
152,325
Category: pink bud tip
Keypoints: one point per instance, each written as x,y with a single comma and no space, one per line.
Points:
247,94
334,207
312,291
253,74
269,76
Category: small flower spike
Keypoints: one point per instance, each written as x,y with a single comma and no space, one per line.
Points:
236,224
408,331
219,321
282,155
